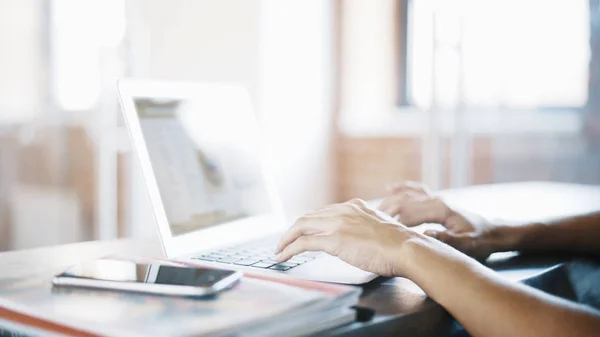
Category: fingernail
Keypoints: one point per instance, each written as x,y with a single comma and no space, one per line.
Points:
278,257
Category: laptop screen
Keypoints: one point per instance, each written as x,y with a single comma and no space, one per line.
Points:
205,157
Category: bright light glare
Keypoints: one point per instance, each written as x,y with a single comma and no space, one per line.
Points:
109,26
220,117
222,123
79,30
530,54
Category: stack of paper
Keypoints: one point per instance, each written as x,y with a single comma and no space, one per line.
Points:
257,306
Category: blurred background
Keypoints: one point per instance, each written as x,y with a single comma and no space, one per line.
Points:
351,95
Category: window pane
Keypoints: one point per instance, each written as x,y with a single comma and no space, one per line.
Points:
521,54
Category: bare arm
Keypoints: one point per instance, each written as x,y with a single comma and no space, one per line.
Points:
479,299
574,234
487,305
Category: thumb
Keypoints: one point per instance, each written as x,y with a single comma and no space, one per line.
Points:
440,235
393,188
457,241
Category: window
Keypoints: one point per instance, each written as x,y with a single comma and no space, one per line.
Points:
510,54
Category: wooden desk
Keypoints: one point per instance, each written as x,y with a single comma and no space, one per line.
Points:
400,305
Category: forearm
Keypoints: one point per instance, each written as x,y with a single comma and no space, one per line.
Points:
574,234
486,304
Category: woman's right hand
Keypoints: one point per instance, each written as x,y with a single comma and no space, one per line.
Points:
354,233
412,204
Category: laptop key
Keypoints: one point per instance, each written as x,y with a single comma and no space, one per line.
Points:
296,261
206,258
228,259
239,256
280,267
262,265
229,251
247,262
263,255
270,261
287,264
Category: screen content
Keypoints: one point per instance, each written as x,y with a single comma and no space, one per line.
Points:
205,157
127,271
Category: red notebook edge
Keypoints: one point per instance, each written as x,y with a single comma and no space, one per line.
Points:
41,323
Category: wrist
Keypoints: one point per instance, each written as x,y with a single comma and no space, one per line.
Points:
428,262
412,252
508,237
402,260
526,236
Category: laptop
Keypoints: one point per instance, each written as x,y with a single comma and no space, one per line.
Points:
203,162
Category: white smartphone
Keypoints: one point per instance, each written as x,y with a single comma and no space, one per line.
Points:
154,278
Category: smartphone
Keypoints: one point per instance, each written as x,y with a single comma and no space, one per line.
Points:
153,278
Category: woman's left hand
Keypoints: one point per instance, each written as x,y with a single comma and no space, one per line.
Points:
413,205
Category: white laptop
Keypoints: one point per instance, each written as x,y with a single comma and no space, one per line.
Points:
202,160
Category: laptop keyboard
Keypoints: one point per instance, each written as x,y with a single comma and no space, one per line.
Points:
257,257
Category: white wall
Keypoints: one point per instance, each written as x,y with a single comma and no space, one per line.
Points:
369,69
21,60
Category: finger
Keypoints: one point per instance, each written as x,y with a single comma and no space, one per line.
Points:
417,187
351,207
307,225
337,209
419,212
385,204
394,211
355,201
376,214
408,186
458,241
413,213
358,202
357,205
444,236
321,221
433,233
392,205
363,207
396,187
306,244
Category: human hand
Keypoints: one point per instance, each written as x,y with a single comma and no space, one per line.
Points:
413,205
354,233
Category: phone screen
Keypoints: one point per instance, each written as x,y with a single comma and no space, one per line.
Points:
154,273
